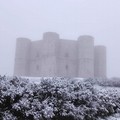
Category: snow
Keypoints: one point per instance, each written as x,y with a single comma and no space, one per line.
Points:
46,97
106,91
37,80
115,117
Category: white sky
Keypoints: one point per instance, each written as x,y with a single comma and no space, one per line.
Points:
69,18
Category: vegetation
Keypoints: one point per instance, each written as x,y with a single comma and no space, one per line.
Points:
54,99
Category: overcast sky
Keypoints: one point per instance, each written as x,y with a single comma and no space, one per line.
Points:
69,18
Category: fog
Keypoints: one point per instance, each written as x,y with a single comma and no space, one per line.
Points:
69,18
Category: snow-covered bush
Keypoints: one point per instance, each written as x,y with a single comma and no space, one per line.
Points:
54,99
112,82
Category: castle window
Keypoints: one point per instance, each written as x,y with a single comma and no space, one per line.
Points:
66,55
37,67
66,67
37,55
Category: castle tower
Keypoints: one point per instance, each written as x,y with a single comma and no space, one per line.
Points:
22,57
100,62
86,56
51,40
50,36
49,54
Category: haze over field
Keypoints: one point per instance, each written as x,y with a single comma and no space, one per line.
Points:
69,18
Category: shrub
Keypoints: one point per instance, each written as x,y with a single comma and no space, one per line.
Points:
54,99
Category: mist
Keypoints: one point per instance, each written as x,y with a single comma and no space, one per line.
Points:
69,18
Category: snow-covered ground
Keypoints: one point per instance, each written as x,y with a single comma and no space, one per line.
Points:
115,117
107,89
37,80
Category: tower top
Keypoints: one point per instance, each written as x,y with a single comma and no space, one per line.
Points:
85,37
50,35
23,39
100,46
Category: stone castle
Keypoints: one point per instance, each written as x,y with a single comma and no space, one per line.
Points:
56,57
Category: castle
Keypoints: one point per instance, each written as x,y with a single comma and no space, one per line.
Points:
56,57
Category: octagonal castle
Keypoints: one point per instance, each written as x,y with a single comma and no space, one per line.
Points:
56,57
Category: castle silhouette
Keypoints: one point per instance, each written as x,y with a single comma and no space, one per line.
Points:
56,57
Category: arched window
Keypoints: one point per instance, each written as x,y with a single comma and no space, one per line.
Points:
66,67
37,54
66,55
37,67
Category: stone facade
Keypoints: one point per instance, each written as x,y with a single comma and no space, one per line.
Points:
56,57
